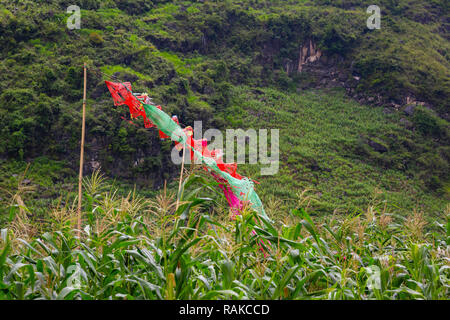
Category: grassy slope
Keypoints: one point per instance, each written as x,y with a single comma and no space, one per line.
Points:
320,138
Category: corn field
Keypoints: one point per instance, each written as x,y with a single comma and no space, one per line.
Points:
135,248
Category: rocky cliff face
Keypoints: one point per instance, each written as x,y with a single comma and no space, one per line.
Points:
309,53
317,70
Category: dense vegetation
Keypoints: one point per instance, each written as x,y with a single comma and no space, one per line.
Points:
193,57
364,164
132,248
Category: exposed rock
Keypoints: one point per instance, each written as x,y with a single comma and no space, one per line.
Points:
409,110
94,164
329,71
288,65
309,53
393,105
377,146
409,100
204,41
139,161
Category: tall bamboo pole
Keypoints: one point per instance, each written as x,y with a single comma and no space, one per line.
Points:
80,175
181,179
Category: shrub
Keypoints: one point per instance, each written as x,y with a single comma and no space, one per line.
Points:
428,123
95,38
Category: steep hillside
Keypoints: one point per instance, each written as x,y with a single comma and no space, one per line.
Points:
219,62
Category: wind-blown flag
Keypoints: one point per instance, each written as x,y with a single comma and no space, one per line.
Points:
238,190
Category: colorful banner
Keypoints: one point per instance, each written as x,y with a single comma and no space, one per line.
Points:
238,190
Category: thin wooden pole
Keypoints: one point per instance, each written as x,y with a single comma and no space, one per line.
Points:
181,179
80,175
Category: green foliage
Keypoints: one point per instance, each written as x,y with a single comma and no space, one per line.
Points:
131,248
429,123
195,57
95,38
325,146
114,69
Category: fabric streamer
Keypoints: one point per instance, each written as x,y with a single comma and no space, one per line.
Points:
237,189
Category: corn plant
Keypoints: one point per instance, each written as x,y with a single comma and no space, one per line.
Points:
135,248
